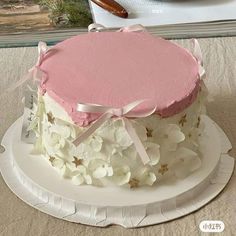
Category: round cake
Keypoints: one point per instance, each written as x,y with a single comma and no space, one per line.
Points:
119,108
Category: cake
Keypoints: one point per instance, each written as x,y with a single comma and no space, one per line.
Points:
119,109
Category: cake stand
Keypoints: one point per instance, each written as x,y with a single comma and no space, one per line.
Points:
33,180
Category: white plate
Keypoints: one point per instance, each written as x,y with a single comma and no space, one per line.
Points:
33,180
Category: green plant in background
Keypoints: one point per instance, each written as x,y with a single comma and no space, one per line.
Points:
74,13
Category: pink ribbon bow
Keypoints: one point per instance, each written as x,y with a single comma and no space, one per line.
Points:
124,113
34,72
132,28
197,53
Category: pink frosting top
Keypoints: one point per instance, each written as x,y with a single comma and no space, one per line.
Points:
117,68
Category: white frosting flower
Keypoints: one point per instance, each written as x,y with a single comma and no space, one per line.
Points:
122,137
121,175
58,163
148,178
127,157
106,131
144,176
100,168
61,166
116,150
65,171
193,136
90,149
153,152
63,131
185,162
169,136
53,143
57,138
130,153
63,128
80,176
123,145
95,143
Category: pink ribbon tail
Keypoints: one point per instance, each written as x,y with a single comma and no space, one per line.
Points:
137,142
92,128
197,53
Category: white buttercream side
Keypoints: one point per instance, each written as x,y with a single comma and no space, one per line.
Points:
56,109
108,157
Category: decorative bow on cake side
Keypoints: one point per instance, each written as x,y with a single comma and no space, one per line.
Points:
124,113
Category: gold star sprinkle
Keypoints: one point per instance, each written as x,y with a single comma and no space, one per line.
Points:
51,159
149,132
198,121
183,120
77,161
164,168
133,183
51,119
